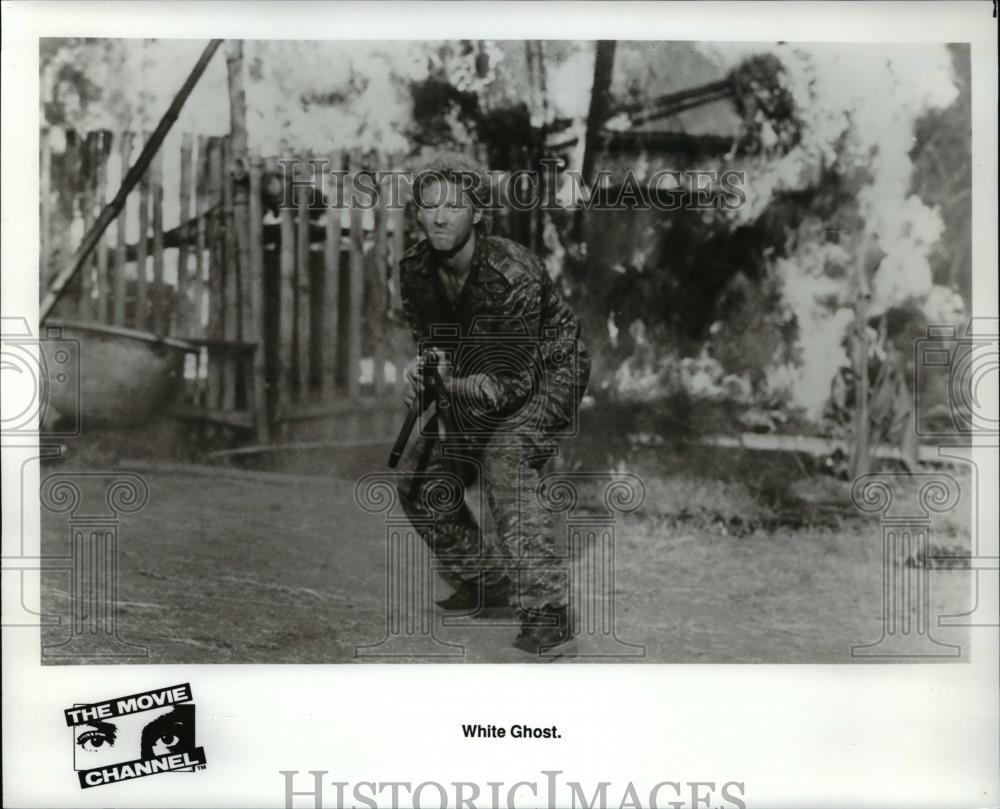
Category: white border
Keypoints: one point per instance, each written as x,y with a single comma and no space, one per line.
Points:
797,735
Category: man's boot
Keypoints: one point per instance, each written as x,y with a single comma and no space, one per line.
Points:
467,596
544,629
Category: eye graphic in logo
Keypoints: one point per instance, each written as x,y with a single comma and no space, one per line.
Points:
144,735
96,736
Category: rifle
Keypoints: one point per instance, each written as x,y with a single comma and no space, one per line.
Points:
432,381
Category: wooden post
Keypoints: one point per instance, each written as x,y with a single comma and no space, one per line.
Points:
378,267
331,283
201,237
237,181
142,307
101,285
535,111
302,286
63,191
45,211
600,103
539,119
357,269
860,452
396,218
597,116
247,330
231,297
88,186
160,300
118,316
183,250
67,184
237,99
255,287
216,272
398,245
286,326
249,239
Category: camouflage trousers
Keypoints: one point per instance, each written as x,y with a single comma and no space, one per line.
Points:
508,466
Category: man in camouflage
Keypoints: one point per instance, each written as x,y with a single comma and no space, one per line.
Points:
514,367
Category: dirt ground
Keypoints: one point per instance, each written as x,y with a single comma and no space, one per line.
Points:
250,567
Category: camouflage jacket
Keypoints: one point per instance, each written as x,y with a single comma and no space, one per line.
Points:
510,320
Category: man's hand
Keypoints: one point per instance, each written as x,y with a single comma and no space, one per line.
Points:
445,371
415,377
416,373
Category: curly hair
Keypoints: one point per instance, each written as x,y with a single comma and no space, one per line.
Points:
464,172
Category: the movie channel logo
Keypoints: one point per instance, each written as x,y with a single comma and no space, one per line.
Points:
129,737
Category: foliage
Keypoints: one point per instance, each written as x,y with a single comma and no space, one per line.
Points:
320,96
764,296
764,102
942,173
77,87
842,150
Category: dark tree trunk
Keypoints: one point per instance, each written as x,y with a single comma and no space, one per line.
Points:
600,105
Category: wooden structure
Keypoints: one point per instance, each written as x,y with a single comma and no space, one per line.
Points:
289,310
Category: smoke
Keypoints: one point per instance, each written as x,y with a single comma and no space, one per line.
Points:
857,106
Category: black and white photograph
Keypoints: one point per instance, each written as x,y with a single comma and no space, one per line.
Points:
668,348
492,351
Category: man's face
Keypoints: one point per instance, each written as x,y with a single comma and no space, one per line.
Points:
446,215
